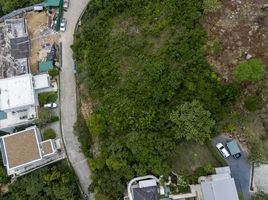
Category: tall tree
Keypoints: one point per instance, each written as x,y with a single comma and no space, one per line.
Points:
192,122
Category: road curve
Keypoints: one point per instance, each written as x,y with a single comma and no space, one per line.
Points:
68,96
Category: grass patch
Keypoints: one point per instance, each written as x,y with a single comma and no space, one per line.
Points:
216,154
265,146
240,196
189,156
47,97
82,132
211,5
49,134
53,72
252,103
215,47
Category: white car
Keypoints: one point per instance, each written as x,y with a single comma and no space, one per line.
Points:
50,105
223,150
63,25
65,4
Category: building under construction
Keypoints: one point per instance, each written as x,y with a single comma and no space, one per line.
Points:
14,48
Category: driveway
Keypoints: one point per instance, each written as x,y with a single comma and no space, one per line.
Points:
240,169
68,97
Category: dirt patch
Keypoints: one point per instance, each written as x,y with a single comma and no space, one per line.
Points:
241,27
86,105
37,52
36,22
40,34
4,189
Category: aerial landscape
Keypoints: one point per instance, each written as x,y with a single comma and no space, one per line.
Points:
134,99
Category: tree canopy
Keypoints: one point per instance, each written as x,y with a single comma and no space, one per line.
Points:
192,121
48,183
139,60
10,5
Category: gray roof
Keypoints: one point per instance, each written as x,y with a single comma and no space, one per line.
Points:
20,47
219,190
233,147
147,193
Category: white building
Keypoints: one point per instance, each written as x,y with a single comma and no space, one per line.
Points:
19,99
24,151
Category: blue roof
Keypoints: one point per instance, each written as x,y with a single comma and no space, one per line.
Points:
3,115
52,3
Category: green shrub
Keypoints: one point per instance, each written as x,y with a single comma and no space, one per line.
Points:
250,70
3,174
53,72
83,134
49,134
47,97
211,5
252,103
215,47
216,154
45,116
260,196
229,128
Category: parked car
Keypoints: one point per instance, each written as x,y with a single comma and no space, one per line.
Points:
233,148
63,25
222,150
74,69
50,105
38,8
65,4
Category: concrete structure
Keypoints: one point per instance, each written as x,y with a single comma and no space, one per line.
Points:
14,48
219,186
19,99
260,178
25,151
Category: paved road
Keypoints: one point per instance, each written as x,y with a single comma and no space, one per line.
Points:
68,96
240,169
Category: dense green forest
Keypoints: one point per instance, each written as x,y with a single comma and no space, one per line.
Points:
48,183
143,65
10,5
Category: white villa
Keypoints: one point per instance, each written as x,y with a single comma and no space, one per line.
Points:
24,151
19,99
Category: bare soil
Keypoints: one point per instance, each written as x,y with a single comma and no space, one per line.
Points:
242,28
40,34
86,105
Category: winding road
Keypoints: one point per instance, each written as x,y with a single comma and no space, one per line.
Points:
68,97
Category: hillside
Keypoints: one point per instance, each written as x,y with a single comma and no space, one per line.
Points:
142,66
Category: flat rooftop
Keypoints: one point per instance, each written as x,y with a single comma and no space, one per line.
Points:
16,28
16,92
22,148
41,81
47,147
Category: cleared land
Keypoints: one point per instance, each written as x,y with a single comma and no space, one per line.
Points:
189,156
39,34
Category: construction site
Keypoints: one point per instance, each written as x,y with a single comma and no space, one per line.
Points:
27,42
14,48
